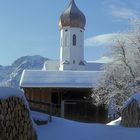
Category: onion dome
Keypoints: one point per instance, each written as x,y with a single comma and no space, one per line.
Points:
72,17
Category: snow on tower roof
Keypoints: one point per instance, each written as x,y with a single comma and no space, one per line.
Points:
136,97
60,79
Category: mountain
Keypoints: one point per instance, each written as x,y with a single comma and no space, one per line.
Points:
10,75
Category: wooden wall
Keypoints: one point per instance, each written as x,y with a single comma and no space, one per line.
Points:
38,94
55,95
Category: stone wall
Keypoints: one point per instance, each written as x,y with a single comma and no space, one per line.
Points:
15,120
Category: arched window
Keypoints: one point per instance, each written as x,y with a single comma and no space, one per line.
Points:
73,61
74,40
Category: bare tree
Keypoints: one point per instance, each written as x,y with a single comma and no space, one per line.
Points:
122,76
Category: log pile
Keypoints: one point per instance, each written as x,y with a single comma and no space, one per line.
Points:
131,114
15,121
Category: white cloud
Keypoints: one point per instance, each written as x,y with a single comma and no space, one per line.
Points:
123,12
104,59
106,40
101,40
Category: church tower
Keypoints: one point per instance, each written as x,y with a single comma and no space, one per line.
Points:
72,24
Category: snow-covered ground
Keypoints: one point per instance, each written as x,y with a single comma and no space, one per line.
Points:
62,129
115,122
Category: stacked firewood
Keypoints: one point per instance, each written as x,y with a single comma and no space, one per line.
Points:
15,120
131,115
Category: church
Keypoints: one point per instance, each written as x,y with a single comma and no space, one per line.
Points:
70,77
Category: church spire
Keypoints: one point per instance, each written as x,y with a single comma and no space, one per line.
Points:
72,23
72,17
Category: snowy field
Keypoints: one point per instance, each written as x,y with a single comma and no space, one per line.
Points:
61,129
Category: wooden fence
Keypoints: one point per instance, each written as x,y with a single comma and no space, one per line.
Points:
84,111
78,110
44,107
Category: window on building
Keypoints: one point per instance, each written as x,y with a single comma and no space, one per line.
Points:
74,40
73,61
66,41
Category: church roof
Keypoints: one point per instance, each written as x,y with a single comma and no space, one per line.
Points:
60,79
72,17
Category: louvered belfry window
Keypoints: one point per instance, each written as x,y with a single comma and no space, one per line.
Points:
74,40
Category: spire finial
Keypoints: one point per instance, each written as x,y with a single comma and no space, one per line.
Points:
72,17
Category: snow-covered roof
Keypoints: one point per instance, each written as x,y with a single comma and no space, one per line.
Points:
92,66
67,79
89,66
136,97
51,65
6,92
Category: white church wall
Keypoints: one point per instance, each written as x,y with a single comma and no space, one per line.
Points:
51,65
69,52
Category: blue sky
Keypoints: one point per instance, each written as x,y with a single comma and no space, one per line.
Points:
30,27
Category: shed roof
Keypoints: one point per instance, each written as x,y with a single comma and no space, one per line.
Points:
60,79
136,97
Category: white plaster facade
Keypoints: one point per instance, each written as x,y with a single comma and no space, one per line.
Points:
70,53
71,56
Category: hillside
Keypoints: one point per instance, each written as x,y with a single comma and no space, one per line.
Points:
10,75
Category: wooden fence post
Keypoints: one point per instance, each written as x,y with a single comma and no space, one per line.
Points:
50,116
63,109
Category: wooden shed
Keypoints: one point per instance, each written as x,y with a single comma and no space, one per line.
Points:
55,86
131,112
66,91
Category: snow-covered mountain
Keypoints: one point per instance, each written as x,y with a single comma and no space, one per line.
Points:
10,75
